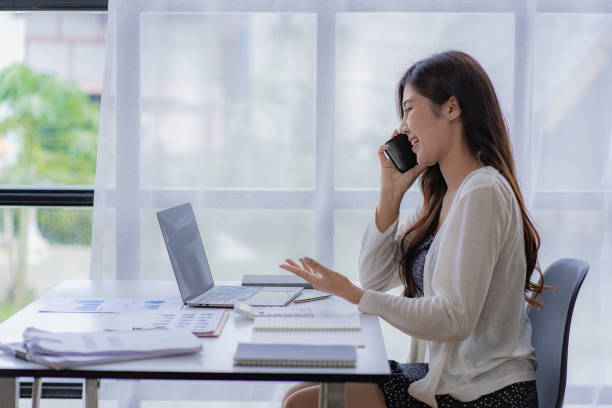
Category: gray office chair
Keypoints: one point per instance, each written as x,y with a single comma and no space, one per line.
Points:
551,328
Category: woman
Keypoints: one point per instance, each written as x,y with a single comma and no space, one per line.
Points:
465,257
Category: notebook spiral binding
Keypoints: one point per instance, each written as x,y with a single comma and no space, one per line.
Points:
294,363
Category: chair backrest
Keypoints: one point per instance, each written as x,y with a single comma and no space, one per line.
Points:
551,328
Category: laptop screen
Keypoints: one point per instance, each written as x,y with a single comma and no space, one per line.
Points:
186,251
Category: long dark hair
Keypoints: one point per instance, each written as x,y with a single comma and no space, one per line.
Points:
455,73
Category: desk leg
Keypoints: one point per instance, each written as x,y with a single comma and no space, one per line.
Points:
91,392
36,392
331,395
9,397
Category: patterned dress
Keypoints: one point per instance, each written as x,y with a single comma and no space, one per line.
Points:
395,389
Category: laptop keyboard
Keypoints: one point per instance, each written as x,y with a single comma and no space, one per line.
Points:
226,295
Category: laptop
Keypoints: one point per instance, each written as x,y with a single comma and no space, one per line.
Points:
193,274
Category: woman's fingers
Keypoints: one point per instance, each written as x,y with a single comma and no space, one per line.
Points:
310,269
381,153
306,266
316,266
291,262
321,277
414,172
299,272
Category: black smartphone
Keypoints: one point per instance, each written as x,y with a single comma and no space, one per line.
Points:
400,153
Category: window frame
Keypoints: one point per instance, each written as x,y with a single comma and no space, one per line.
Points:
61,196
62,5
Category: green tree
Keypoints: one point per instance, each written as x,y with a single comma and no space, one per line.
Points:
57,126
57,123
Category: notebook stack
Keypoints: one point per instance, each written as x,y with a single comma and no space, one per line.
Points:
349,323
295,355
302,342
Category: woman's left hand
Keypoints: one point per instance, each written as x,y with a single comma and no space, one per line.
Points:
324,279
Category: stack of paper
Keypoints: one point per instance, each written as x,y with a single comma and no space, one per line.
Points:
66,350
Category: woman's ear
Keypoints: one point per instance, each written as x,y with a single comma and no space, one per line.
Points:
453,109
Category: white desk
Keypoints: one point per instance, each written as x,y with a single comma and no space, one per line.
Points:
215,362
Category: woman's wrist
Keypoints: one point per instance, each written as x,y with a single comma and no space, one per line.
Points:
390,196
354,294
385,216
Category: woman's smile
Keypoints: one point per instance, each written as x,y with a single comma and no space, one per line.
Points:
413,141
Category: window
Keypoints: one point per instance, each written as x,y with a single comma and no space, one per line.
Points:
51,72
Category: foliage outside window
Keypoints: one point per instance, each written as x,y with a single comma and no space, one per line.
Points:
48,136
54,125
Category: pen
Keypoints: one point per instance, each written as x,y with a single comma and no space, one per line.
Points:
310,299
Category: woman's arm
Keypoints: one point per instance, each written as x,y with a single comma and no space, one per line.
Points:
380,255
383,272
325,279
465,262
378,261
393,186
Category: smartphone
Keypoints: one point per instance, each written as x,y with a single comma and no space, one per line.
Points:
400,153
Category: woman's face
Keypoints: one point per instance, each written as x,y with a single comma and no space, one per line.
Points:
426,130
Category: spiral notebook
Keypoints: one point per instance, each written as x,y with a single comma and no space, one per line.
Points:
344,323
295,355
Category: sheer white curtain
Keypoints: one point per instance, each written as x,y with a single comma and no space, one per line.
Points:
266,116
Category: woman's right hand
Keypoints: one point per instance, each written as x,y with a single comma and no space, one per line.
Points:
393,186
393,182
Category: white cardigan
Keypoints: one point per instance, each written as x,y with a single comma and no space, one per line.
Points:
473,314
